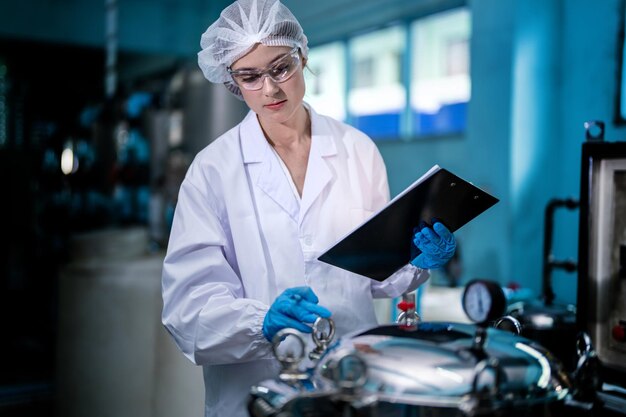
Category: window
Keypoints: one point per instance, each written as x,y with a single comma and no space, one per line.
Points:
364,72
406,81
377,96
440,82
326,80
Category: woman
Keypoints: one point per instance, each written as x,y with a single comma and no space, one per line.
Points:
260,204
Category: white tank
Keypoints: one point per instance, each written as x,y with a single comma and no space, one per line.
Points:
114,358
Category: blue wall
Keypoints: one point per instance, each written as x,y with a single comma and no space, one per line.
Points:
482,156
589,86
539,71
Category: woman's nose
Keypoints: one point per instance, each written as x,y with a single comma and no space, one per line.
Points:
269,86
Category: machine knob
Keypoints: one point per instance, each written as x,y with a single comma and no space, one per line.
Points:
619,331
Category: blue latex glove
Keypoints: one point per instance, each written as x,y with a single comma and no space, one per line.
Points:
293,308
437,245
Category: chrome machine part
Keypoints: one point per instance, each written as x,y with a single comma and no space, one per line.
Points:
586,376
443,364
508,323
322,334
448,369
438,368
289,359
347,371
408,317
493,384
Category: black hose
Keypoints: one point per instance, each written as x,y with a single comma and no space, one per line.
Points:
549,263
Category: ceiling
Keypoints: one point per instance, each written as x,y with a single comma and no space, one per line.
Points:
173,27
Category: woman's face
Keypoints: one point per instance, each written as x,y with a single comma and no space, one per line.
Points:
273,102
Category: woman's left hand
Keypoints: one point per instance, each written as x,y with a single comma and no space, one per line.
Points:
437,245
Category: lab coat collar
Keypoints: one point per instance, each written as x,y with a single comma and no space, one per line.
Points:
318,174
264,168
254,146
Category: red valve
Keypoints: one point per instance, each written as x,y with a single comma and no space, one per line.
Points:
513,286
405,306
619,332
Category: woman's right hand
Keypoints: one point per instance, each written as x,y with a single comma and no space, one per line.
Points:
293,309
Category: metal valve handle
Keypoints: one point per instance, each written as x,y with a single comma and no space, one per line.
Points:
323,339
290,359
408,318
320,337
584,346
510,324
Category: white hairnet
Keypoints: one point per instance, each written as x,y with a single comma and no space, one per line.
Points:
240,26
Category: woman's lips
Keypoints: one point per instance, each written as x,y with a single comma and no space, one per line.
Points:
275,106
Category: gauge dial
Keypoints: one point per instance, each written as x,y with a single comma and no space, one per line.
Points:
483,301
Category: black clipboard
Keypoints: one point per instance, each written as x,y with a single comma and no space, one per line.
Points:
383,243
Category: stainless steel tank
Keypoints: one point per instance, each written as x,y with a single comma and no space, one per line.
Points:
429,368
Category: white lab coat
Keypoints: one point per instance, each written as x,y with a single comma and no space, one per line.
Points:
241,236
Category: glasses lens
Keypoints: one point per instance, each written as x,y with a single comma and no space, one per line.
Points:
285,68
279,72
249,81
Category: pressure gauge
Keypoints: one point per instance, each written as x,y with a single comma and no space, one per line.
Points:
483,301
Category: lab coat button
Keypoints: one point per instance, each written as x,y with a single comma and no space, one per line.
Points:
307,240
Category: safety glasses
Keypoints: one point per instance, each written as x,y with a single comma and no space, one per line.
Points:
280,70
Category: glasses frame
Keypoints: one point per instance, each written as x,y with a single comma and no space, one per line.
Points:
266,72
